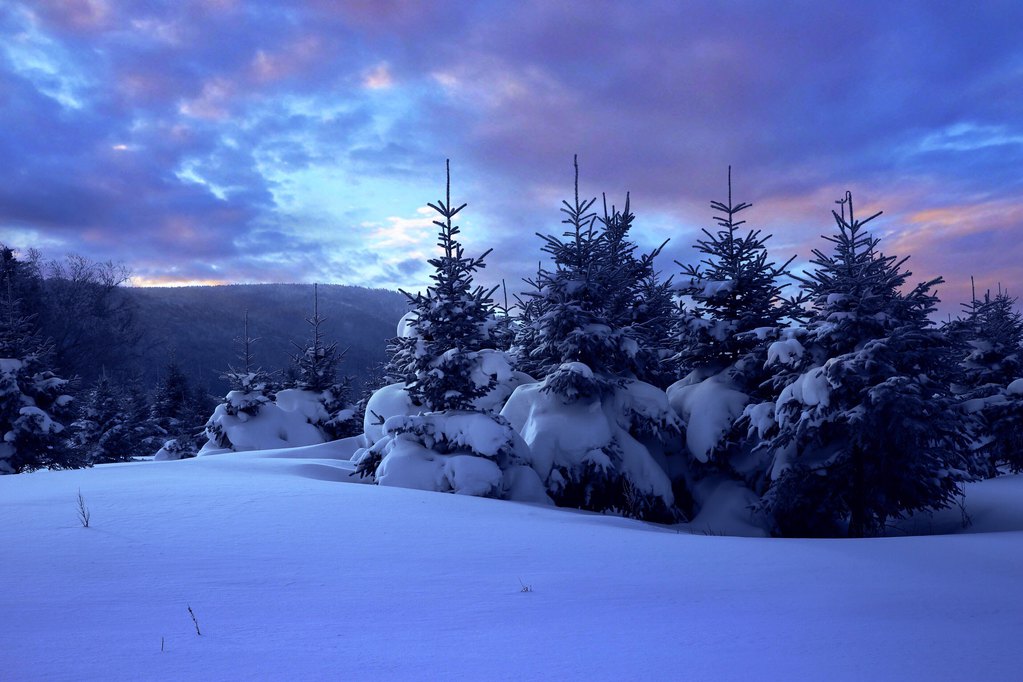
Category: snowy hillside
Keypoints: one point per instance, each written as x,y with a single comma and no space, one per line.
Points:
294,571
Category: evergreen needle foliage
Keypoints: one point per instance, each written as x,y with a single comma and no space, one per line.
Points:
450,323
868,429
735,289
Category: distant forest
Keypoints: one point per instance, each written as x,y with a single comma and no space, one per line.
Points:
199,325
98,326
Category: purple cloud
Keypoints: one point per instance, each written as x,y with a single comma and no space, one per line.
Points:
252,141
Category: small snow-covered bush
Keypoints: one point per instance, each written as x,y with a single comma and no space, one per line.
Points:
174,449
470,453
249,420
594,452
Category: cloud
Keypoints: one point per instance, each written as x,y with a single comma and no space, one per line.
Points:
253,141
379,77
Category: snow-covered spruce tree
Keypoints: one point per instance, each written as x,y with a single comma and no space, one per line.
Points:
436,429
867,428
994,336
734,289
636,297
592,426
452,322
178,413
735,308
34,404
102,431
991,342
316,376
601,304
143,435
251,389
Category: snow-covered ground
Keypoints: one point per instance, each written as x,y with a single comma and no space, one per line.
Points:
293,572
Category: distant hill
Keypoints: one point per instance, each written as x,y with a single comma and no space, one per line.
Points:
200,324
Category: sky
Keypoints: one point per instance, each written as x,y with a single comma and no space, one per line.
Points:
221,141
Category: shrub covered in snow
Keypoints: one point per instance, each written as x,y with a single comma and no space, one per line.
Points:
469,453
595,450
248,420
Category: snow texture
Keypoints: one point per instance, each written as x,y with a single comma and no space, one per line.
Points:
571,436
286,423
459,452
269,550
708,408
786,352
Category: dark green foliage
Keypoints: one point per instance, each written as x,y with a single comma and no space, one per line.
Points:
451,322
601,305
103,432
735,289
888,439
34,401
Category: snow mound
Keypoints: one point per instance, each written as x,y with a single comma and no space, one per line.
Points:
787,352
390,401
251,421
708,408
470,453
496,368
584,452
406,326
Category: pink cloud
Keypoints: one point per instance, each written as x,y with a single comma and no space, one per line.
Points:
268,66
76,15
212,103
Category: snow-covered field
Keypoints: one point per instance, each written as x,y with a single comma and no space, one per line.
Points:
295,572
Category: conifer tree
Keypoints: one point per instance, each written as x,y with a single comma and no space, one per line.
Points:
585,310
735,290
446,436
587,331
636,298
867,427
178,413
316,370
317,361
138,411
250,389
735,308
103,432
995,340
170,405
450,323
990,340
248,376
34,404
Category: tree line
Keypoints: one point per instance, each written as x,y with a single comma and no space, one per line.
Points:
830,395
